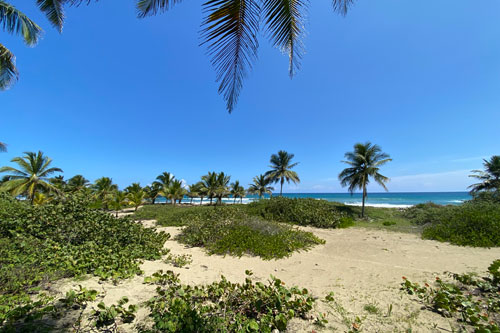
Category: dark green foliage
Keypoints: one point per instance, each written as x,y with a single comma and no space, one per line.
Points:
306,212
473,224
230,230
224,306
472,300
69,239
427,213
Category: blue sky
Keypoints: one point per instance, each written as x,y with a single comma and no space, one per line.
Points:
127,98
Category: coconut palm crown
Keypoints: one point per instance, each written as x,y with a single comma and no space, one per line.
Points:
260,186
281,165
489,177
364,162
33,174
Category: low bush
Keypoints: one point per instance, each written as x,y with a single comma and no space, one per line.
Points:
229,230
69,239
427,213
224,306
305,212
475,223
473,301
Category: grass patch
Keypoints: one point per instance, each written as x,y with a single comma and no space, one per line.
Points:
230,230
391,219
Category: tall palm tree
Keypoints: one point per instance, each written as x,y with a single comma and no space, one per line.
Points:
164,180
14,22
194,191
237,191
489,177
209,185
153,191
78,183
103,189
175,191
364,162
230,31
32,175
260,186
3,146
222,189
58,181
281,165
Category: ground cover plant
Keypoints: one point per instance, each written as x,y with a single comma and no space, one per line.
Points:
224,306
168,215
473,301
305,212
63,239
230,230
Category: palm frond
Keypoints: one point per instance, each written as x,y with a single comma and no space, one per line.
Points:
153,7
15,22
3,147
54,10
8,70
342,6
230,30
285,25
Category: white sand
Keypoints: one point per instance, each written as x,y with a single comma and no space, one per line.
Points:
360,266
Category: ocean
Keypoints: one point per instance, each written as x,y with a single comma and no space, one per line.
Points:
381,199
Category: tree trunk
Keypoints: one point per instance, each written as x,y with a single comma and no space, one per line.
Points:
191,200
153,201
173,201
281,187
201,201
364,196
234,200
211,198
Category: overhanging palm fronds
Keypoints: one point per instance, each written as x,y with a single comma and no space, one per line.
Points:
15,22
8,70
54,10
285,25
489,177
153,7
342,6
3,147
230,31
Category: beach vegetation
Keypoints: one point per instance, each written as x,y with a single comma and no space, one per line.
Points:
103,189
31,176
281,169
304,212
152,192
231,230
163,183
136,195
118,201
223,306
364,163
77,183
237,191
260,186
471,300
489,177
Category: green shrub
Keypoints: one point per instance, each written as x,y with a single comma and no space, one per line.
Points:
68,239
427,213
305,212
229,230
224,306
475,223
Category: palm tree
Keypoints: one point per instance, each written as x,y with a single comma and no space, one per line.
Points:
40,199
175,191
230,31
14,22
152,191
164,180
118,201
135,195
237,191
194,191
222,189
3,146
281,165
31,177
489,177
58,181
209,185
103,188
260,186
365,162
77,183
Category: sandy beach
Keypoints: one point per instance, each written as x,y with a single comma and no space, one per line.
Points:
360,266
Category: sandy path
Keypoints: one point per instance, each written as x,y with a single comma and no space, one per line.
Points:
360,266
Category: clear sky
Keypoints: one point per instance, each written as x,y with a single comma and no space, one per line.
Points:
127,98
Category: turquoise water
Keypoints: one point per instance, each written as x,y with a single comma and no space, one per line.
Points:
388,199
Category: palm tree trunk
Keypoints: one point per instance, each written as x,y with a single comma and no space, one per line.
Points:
364,196
153,201
191,200
201,201
234,200
211,198
281,187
